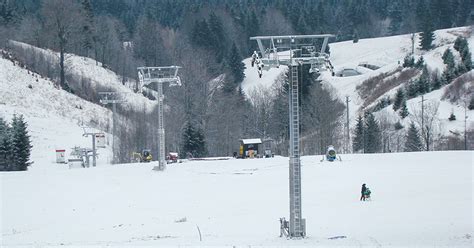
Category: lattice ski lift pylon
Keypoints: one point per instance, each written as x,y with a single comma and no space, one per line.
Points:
147,77
293,51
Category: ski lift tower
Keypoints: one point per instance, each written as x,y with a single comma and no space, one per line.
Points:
149,76
293,51
113,98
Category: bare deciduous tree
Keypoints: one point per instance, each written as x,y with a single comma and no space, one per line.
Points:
427,119
63,20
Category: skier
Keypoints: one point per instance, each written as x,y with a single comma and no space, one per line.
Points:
254,57
362,192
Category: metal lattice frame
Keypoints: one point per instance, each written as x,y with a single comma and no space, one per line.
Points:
294,50
113,98
148,76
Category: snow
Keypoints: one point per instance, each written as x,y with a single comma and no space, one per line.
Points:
418,199
384,52
99,76
54,117
251,141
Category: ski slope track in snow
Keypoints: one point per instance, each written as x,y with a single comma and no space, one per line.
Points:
419,199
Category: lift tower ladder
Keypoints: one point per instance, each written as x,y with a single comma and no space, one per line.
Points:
294,51
149,76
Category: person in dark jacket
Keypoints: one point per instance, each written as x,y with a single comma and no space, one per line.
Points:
362,191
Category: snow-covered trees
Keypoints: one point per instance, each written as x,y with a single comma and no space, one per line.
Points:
413,141
15,145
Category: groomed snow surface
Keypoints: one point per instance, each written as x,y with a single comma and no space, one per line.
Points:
418,200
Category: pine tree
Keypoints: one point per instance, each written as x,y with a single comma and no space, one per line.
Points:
412,89
373,135
408,61
358,140
450,71
395,15
20,144
452,117
437,82
398,99
236,68
5,147
355,36
460,43
423,82
427,34
420,64
466,58
413,140
218,36
88,39
471,103
193,141
398,125
403,112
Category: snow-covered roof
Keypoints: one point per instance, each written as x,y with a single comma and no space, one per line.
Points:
251,141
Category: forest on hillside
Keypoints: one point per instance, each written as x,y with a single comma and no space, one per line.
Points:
209,39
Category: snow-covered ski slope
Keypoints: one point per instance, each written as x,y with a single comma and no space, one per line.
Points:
55,117
420,199
387,53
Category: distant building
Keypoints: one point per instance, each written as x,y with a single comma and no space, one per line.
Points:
250,148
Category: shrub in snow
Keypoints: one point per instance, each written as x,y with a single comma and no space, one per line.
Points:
452,117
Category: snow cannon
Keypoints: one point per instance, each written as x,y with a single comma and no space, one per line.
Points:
331,154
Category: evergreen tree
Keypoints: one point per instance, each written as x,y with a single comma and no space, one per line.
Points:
373,135
423,82
471,103
398,99
201,34
408,61
413,140
236,68
412,89
460,43
5,147
403,112
193,141
437,82
358,140
398,125
452,117
355,36
88,39
466,58
427,34
20,144
450,71
395,14
218,37
420,64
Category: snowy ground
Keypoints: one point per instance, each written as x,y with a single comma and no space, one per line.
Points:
419,199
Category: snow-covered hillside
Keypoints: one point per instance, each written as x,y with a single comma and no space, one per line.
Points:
55,117
87,68
386,54
418,200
